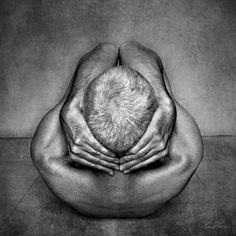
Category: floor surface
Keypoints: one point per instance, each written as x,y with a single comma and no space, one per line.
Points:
207,206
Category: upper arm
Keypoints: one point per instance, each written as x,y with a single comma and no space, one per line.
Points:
48,141
50,156
164,183
186,139
149,64
101,58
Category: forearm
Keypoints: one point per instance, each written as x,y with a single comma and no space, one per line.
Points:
147,63
101,58
186,150
49,132
152,71
157,82
50,155
157,186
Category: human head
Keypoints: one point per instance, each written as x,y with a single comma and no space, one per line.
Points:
118,106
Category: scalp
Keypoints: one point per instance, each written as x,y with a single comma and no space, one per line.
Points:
118,106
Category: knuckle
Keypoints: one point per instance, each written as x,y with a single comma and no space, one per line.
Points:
158,137
98,167
161,144
92,143
145,164
133,163
126,166
77,140
93,152
102,158
73,158
98,161
93,165
147,140
165,152
131,152
143,153
143,158
74,148
98,154
132,157
154,152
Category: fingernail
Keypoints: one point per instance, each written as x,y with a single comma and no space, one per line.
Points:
117,167
126,172
111,173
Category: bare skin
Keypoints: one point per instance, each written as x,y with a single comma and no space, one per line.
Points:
93,192
154,144
83,147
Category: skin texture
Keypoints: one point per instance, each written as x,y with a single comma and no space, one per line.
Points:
93,192
83,147
154,144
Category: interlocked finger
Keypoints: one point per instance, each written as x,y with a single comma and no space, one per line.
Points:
76,149
154,151
102,156
93,143
95,160
88,149
147,162
141,144
89,164
142,152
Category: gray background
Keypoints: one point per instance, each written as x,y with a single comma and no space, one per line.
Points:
41,42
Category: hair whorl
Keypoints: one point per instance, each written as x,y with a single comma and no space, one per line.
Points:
118,106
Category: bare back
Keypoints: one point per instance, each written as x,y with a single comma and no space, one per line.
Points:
93,192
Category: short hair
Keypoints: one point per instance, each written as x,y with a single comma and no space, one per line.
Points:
118,107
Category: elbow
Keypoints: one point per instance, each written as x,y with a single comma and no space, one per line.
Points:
64,113
40,157
189,160
196,154
183,164
69,110
188,163
170,105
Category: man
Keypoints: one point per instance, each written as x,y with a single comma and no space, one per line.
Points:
148,169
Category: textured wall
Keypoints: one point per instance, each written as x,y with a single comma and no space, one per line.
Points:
41,41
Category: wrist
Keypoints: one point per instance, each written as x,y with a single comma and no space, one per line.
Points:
168,105
70,109
73,102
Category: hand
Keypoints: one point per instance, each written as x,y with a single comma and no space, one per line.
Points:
83,147
155,142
